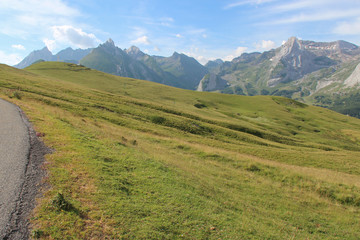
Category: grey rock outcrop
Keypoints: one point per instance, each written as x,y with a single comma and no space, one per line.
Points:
211,82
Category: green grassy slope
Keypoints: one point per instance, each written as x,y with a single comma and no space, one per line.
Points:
136,159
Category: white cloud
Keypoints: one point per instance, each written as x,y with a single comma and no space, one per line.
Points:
18,46
166,21
157,49
9,59
74,36
238,51
50,44
33,17
143,40
265,45
194,53
348,28
178,35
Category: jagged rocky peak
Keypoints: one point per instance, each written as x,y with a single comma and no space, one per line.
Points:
291,45
109,43
214,63
176,54
135,52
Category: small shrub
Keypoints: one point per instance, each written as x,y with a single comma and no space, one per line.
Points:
37,233
60,203
326,192
17,95
199,105
157,119
14,94
253,168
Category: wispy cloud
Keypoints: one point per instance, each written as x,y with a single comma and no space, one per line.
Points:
10,59
348,28
39,7
290,12
321,15
37,15
18,46
247,2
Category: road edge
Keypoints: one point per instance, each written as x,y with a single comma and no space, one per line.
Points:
19,225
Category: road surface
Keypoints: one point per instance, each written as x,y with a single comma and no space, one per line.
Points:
21,156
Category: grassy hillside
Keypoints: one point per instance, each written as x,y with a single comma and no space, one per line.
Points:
139,160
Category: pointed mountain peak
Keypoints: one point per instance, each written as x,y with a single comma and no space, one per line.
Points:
110,42
292,44
135,52
134,49
293,39
44,49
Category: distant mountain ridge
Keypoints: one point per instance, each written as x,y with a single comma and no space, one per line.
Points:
66,55
177,70
320,73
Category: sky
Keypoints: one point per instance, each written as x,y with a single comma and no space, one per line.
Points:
203,29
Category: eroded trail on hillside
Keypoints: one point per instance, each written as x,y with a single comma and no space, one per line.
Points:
21,155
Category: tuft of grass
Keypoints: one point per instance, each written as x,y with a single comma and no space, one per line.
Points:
253,168
60,203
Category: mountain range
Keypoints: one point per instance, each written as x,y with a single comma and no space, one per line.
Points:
67,55
320,73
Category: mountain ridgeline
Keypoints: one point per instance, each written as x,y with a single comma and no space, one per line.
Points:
320,73
177,70
67,55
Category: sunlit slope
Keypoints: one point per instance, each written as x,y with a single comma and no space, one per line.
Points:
269,120
139,160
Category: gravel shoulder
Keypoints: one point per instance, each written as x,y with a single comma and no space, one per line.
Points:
21,158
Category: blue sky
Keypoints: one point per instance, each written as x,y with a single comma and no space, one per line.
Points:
203,29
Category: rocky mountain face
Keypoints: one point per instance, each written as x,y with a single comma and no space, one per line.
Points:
111,59
178,70
211,81
66,55
71,55
317,73
34,56
321,73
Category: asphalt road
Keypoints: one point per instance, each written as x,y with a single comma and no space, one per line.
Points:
20,171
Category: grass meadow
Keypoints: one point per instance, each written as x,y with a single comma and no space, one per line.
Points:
138,160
